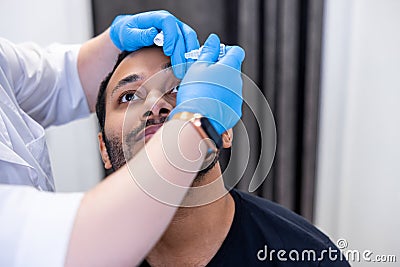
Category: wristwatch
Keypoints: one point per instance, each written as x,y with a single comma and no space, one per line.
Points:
205,130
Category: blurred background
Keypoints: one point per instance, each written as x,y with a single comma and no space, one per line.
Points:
330,71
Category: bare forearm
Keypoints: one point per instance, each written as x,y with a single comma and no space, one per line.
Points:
95,60
117,222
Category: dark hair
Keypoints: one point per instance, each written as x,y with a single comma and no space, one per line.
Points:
101,97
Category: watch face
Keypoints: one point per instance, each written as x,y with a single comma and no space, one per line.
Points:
211,132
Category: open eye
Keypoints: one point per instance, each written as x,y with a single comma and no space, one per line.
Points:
127,97
174,90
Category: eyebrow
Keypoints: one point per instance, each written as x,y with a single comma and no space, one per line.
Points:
134,78
127,80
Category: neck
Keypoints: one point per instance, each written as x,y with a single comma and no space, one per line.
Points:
199,228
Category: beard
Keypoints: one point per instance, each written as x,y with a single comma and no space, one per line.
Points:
115,152
118,158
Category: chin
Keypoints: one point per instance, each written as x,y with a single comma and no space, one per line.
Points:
203,173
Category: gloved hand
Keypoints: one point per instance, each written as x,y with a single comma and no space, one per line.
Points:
132,32
213,89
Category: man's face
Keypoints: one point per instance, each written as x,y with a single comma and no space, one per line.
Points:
149,100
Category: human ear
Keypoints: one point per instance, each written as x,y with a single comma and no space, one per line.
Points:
227,138
103,152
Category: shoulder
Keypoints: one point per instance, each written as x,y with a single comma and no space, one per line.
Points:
285,226
264,233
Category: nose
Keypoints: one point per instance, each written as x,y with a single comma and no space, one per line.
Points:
156,106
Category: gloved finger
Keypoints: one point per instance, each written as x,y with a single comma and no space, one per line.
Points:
164,21
210,50
152,18
234,57
147,36
178,56
172,35
190,37
138,38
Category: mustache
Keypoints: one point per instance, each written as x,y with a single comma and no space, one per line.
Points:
130,137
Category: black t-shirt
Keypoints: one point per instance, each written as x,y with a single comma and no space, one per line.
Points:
264,233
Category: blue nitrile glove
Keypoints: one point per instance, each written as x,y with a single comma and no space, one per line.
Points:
213,89
132,32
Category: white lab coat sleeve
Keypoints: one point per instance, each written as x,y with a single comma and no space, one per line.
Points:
46,82
35,226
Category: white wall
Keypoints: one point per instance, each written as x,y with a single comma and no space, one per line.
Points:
358,190
73,148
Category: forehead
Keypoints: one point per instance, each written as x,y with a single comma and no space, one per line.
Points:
145,62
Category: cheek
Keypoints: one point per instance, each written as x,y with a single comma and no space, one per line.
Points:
113,124
122,123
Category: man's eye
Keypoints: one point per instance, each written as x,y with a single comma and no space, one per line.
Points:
174,90
128,97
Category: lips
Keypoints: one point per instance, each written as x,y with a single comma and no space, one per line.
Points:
148,132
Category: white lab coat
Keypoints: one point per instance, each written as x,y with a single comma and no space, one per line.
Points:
38,88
